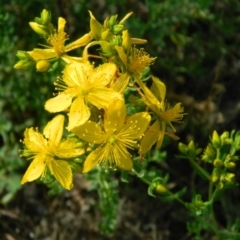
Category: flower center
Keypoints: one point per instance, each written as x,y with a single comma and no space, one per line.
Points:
57,41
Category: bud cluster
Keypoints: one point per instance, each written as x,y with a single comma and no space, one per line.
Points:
221,154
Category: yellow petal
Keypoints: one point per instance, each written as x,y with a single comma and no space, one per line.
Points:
89,132
158,89
62,172
102,96
76,73
121,83
84,40
150,100
93,159
59,103
126,41
68,149
54,130
35,169
61,24
150,138
138,41
103,75
41,54
114,116
95,26
135,125
161,134
79,113
122,55
122,157
34,141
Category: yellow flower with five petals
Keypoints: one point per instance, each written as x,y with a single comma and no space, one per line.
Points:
48,150
116,135
57,47
83,86
155,100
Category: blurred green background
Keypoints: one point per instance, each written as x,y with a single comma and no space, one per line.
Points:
196,43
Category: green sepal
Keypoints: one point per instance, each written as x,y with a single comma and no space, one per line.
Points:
124,176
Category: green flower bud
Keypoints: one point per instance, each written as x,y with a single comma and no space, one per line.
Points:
216,141
225,137
42,66
38,20
45,16
116,41
214,177
23,65
39,29
230,165
227,178
191,149
112,21
182,148
23,55
118,28
107,49
209,154
217,163
160,189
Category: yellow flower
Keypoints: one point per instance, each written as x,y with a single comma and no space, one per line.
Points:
155,100
84,85
48,151
57,47
135,63
116,135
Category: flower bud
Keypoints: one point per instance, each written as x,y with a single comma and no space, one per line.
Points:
227,178
23,65
118,28
42,66
230,165
112,21
126,41
214,177
45,16
209,154
39,29
217,163
182,148
107,49
22,55
216,141
160,189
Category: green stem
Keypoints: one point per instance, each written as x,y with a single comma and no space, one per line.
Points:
201,171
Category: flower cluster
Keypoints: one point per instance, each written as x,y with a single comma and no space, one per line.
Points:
95,101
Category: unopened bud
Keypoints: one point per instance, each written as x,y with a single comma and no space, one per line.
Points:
23,65
39,29
42,66
182,148
217,163
22,55
126,41
230,165
160,189
112,21
45,16
118,28
216,141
